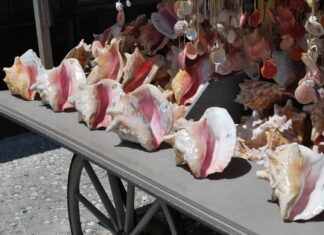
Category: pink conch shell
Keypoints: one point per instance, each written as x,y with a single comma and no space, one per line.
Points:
165,19
313,27
269,69
143,116
286,42
296,176
109,64
140,70
207,146
305,92
23,74
96,48
93,101
57,85
258,95
82,53
107,35
151,40
254,19
186,83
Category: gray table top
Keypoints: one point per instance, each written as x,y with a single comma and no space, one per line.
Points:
234,201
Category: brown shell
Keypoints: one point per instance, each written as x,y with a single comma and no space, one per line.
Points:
258,95
317,118
82,53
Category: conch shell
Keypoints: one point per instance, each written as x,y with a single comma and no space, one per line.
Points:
57,85
23,74
109,64
82,53
258,95
186,83
140,70
207,145
296,175
143,116
93,101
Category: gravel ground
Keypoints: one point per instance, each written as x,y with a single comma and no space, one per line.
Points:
33,184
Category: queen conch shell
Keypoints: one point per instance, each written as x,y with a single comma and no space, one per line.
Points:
93,101
258,95
257,135
296,176
140,70
57,85
187,83
109,64
143,116
23,74
207,145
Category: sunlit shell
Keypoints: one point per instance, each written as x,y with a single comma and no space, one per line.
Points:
109,64
258,95
207,145
57,85
23,74
93,101
140,70
143,116
186,83
313,27
296,176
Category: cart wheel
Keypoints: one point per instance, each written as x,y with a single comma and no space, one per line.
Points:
122,217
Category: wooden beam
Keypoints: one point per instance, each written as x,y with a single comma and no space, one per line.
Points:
43,23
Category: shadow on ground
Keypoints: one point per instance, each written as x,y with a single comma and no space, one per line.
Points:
24,145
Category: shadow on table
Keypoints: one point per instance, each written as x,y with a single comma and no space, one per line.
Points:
23,145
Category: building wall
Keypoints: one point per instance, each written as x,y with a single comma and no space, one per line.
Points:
73,20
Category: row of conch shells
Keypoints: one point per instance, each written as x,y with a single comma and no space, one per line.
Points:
23,74
296,176
207,145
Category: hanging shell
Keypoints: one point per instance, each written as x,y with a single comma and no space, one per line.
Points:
57,85
296,176
23,74
93,101
143,116
207,145
109,64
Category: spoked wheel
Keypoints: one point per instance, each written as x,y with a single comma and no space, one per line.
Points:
120,216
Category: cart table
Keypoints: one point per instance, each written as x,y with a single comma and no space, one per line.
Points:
233,202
